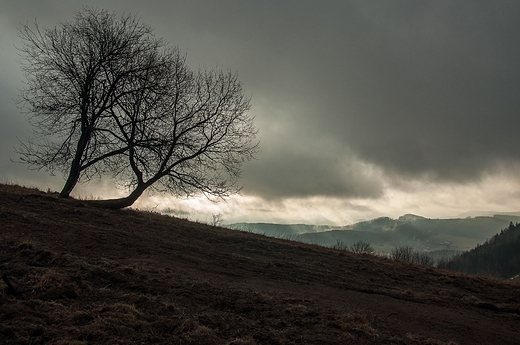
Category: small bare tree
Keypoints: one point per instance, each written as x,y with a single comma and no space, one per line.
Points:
361,247
402,253
157,125
423,259
408,254
217,219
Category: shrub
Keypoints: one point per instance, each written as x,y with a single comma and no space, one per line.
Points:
408,254
402,253
340,245
423,259
361,247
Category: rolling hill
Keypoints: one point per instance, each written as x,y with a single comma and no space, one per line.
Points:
73,274
424,234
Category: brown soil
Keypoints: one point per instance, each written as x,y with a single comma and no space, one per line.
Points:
81,275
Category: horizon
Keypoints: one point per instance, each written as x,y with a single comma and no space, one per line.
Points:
476,214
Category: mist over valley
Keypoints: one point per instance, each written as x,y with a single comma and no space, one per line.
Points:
438,237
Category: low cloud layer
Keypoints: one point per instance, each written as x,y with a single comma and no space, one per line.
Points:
352,99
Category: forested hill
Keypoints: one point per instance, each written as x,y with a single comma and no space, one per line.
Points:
386,233
499,256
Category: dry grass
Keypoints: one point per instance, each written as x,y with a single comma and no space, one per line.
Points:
428,341
92,276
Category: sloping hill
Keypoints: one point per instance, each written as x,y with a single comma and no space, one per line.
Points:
80,275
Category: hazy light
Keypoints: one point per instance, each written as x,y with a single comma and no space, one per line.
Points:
426,199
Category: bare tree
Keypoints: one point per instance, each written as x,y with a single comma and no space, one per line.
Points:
75,73
158,126
340,245
408,254
191,138
361,247
217,220
422,259
402,253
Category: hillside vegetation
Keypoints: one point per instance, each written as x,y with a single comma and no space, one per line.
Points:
498,257
73,274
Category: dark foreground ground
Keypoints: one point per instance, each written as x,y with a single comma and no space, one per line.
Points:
82,275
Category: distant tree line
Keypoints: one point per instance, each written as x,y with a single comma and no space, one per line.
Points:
498,257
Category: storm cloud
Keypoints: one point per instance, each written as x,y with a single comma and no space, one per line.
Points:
352,98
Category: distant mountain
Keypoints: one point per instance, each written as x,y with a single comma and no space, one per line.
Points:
279,230
486,213
499,256
419,232
446,235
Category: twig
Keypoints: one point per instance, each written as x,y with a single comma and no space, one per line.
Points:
10,289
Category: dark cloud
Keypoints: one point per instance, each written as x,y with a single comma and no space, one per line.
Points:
435,90
347,92
310,170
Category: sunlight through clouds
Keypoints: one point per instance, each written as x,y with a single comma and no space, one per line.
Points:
425,199
364,108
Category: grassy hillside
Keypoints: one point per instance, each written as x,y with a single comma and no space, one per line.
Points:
73,274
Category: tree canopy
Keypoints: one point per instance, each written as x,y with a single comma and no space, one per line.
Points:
107,98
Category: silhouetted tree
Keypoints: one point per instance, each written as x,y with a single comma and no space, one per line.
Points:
361,247
422,259
408,254
75,73
340,245
189,139
402,253
134,111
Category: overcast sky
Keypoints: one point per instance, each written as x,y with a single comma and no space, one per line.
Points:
364,108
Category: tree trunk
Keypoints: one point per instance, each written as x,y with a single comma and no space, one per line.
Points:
71,181
75,167
116,204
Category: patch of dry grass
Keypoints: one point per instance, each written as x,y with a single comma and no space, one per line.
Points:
92,276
